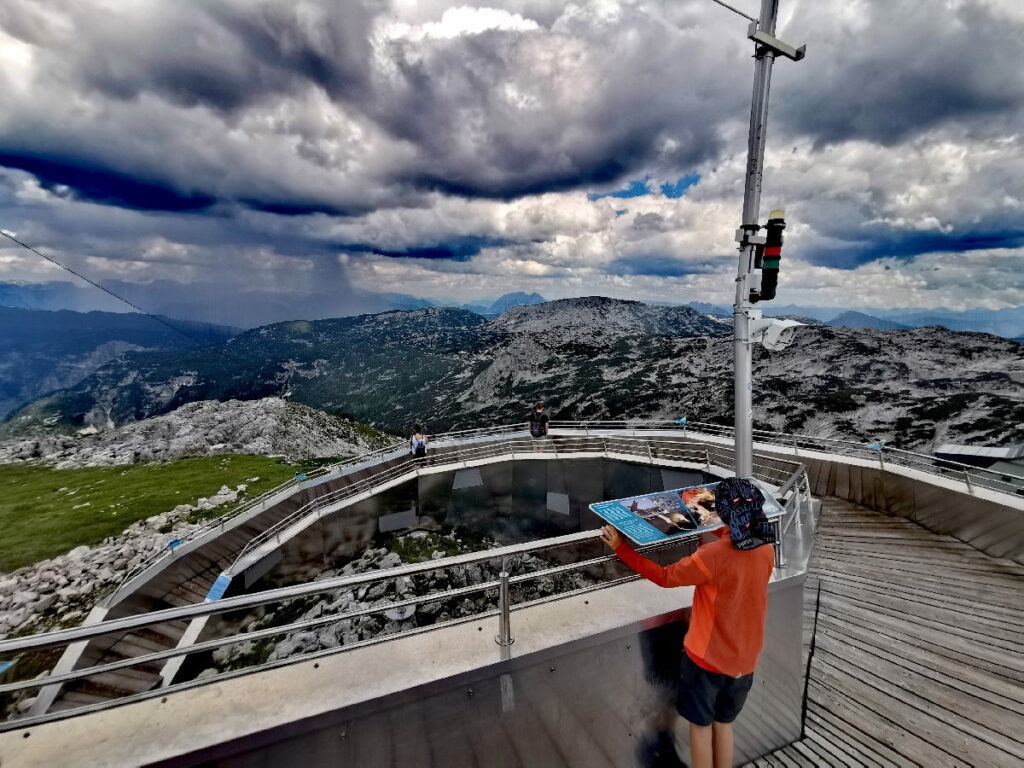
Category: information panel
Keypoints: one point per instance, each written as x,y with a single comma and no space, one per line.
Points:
662,515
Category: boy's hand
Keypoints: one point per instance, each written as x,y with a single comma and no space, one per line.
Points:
611,537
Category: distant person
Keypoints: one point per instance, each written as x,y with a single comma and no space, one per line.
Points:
538,421
727,621
418,442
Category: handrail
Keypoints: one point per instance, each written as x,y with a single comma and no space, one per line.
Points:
472,452
461,447
842,446
981,476
64,637
251,504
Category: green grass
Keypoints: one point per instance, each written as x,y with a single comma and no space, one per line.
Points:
45,512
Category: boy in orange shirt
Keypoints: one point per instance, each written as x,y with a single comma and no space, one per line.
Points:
727,620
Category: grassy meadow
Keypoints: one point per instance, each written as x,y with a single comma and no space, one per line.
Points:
45,512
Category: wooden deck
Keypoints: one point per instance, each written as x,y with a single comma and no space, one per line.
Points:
918,651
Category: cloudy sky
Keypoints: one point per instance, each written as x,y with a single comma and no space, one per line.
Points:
233,149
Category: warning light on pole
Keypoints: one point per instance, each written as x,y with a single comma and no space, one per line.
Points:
772,254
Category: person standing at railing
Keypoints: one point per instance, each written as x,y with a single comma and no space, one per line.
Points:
418,442
538,421
726,629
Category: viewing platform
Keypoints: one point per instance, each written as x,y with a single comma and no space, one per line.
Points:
913,640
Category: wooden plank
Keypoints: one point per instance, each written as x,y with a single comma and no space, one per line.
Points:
992,661
409,737
917,636
937,742
983,719
899,734
1007,600
929,618
913,595
935,561
824,740
994,688
868,750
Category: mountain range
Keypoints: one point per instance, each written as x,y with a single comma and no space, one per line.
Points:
42,351
219,304
590,358
1007,322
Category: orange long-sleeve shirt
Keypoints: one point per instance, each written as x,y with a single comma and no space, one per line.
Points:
729,603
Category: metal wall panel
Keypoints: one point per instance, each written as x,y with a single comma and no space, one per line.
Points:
593,702
993,528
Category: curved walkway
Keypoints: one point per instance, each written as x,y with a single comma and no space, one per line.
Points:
918,651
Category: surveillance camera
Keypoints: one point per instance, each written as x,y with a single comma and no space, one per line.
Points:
772,332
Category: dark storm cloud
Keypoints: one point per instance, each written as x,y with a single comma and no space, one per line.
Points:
659,265
588,101
456,100
322,43
455,249
904,69
101,185
225,55
498,114
893,243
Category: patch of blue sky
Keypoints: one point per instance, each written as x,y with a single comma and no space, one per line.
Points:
678,189
642,187
635,189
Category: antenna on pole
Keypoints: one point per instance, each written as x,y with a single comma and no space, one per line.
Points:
766,48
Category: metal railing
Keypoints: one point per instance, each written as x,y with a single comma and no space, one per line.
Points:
971,476
253,504
793,489
639,448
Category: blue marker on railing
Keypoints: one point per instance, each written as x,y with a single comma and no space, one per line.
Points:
172,543
219,587
875,447
681,421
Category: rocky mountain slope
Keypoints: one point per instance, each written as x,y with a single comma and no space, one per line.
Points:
43,351
588,358
270,426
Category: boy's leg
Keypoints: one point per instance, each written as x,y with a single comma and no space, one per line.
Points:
722,744
701,747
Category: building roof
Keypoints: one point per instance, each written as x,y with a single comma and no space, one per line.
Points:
1002,452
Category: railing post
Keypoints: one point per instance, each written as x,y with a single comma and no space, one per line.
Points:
796,448
780,556
881,456
967,479
707,460
504,637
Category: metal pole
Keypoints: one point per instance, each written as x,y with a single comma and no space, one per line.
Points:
763,60
780,557
504,637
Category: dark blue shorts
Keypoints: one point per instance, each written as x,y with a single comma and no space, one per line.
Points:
703,697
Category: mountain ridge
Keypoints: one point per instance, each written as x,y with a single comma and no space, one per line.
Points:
591,358
46,350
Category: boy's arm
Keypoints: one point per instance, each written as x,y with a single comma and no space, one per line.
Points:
688,571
